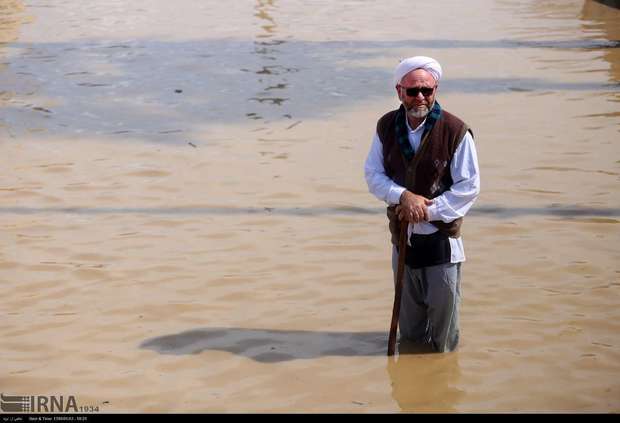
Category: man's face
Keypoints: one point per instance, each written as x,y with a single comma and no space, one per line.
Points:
418,102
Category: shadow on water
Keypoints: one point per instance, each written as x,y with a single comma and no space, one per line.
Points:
269,346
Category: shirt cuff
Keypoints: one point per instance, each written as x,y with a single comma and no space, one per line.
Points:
433,212
394,194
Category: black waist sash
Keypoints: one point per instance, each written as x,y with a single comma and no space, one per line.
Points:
428,250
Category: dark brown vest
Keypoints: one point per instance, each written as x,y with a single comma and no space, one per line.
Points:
431,176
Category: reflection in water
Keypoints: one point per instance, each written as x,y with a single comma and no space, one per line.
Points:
605,20
271,76
425,382
10,19
263,13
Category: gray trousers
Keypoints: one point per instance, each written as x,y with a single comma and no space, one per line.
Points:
429,308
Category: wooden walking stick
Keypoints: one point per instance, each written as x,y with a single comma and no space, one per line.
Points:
398,288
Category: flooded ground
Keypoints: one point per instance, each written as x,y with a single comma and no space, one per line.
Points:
185,225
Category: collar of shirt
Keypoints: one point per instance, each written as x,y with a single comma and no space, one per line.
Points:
415,135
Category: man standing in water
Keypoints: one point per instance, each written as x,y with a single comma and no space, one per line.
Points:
423,164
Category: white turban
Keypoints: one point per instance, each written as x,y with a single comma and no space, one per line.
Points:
417,62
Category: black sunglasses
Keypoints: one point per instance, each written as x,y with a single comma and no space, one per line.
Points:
414,91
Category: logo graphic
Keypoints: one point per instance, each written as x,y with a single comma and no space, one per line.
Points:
14,403
42,404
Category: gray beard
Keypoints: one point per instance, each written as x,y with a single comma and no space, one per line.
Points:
418,113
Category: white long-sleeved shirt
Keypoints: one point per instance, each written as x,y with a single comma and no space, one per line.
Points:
450,205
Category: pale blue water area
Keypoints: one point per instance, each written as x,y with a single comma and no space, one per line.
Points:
195,82
157,89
